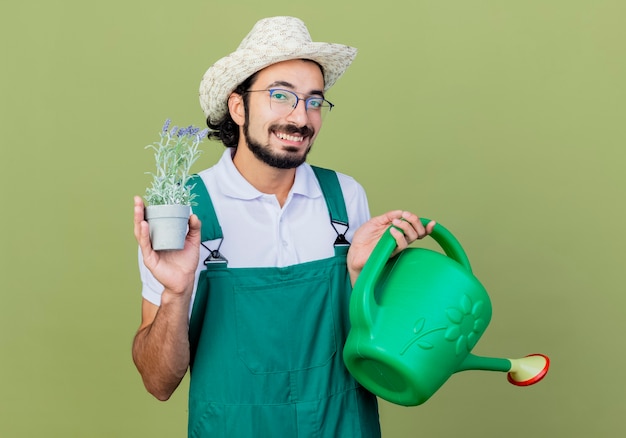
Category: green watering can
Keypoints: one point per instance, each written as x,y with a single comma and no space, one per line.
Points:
415,319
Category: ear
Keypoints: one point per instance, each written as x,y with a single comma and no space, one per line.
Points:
236,108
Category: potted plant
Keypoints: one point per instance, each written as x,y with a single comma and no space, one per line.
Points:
169,199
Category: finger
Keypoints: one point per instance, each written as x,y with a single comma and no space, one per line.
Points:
400,237
427,230
388,217
138,216
422,231
410,234
430,226
416,223
411,225
141,228
195,228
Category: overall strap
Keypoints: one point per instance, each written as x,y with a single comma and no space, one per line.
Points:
204,209
329,182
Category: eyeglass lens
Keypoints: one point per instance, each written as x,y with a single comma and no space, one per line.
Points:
285,101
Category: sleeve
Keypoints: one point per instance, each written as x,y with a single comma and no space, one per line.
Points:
151,289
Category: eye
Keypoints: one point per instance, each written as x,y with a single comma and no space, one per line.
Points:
280,96
315,103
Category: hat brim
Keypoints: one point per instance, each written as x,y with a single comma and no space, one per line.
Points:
221,79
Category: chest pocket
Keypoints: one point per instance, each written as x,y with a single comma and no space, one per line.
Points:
286,326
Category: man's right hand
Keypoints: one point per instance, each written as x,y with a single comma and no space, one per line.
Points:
175,270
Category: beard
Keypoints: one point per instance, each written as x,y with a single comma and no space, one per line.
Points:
289,159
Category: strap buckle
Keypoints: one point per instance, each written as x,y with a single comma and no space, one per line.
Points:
341,236
214,254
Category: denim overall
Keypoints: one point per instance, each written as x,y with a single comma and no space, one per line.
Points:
266,343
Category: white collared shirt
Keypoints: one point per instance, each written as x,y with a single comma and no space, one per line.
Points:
258,232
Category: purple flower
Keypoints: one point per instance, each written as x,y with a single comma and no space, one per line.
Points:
203,133
166,125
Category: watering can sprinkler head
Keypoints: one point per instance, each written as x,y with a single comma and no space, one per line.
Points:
528,370
415,319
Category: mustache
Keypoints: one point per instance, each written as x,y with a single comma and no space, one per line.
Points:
304,131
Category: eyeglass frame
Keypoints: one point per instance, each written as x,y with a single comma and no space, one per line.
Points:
298,99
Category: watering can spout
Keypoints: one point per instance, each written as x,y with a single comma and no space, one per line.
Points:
520,372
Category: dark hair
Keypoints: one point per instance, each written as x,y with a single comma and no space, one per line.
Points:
226,130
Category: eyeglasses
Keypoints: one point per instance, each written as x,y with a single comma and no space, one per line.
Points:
284,102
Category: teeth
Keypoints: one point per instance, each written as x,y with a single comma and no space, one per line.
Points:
283,136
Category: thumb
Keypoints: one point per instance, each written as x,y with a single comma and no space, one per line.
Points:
195,227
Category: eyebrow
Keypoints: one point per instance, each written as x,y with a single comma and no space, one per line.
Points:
292,87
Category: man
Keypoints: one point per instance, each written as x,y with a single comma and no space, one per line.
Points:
256,304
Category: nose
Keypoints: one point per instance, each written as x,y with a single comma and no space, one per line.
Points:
299,114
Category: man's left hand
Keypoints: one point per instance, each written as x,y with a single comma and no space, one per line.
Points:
368,235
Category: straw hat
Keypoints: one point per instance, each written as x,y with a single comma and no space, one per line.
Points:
271,40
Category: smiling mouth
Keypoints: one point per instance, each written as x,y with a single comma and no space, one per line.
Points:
288,137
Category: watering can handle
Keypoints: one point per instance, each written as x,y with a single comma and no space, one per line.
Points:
363,294
450,245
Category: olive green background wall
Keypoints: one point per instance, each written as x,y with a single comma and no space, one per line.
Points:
503,120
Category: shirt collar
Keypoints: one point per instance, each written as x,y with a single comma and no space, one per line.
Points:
234,185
